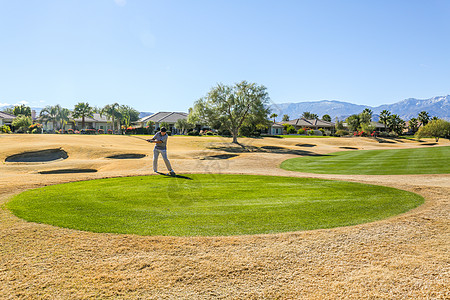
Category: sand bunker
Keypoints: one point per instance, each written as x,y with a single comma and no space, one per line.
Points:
68,171
38,156
127,156
305,145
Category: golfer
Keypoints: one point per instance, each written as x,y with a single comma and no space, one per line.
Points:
160,139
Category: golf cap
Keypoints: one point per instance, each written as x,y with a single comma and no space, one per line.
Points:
163,129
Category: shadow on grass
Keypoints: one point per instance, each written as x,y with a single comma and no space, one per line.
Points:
174,176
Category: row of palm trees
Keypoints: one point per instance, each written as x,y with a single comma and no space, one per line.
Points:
116,113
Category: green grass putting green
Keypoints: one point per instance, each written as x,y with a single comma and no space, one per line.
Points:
209,205
432,160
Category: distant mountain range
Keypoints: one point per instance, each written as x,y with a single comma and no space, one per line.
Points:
406,109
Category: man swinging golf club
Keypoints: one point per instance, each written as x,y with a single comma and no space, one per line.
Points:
160,139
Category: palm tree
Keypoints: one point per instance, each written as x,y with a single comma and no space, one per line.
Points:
384,117
424,118
113,114
413,125
309,116
82,110
273,116
63,116
396,124
50,114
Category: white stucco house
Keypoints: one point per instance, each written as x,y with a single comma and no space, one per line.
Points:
167,117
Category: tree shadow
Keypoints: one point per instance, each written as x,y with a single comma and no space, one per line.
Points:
264,149
305,145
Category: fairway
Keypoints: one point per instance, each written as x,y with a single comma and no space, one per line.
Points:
209,205
433,160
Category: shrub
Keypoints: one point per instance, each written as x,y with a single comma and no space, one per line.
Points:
5,129
291,130
90,131
322,130
311,132
193,133
301,131
70,131
109,131
341,132
101,131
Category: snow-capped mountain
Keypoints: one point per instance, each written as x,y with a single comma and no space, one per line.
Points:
406,109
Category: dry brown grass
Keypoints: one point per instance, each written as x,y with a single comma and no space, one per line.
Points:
405,257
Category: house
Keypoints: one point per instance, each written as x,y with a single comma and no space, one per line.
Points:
167,117
6,119
275,129
96,122
309,123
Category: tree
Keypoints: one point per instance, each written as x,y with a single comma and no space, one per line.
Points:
396,124
232,105
128,115
424,118
273,116
285,118
22,110
309,116
365,116
22,122
353,122
384,117
50,114
82,110
435,128
338,125
111,111
183,125
63,117
413,125
326,118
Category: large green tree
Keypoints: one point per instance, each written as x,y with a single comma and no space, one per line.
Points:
22,122
353,122
233,105
435,128
22,110
83,110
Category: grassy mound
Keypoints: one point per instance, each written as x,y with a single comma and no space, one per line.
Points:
434,160
209,205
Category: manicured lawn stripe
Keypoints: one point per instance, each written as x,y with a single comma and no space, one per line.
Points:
209,204
433,160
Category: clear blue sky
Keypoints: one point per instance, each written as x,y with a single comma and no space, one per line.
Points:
163,55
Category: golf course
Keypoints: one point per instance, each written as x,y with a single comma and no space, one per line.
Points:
328,218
